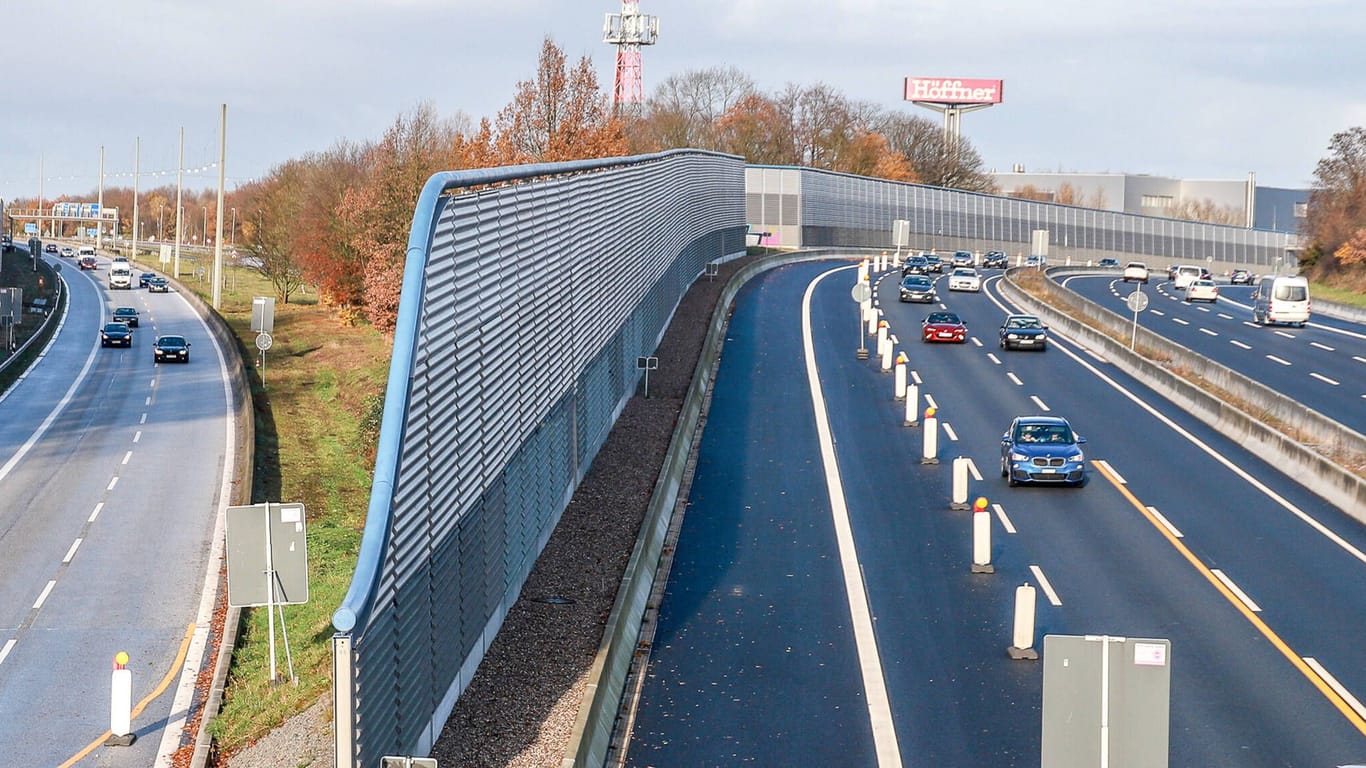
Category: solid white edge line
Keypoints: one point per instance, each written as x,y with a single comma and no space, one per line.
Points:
1001,515
1039,403
1111,470
71,553
865,640
1319,670
1221,576
194,657
1045,586
1166,523
42,598
1324,379
948,430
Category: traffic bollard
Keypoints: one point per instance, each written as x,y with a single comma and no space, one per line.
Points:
900,386
121,704
960,483
912,406
887,349
930,455
981,538
1023,640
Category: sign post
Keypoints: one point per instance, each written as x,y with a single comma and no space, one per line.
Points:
1137,301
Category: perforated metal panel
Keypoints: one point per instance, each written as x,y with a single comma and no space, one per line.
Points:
524,307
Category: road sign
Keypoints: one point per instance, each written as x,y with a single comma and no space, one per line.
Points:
265,539
1137,301
263,313
861,292
263,341
1106,701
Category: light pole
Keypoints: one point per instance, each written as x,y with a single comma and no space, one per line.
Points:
232,233
161,209
204,239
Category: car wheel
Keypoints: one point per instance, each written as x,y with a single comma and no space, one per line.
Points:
1004,471
1011,481
1001,343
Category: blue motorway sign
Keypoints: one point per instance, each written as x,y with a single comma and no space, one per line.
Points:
30,229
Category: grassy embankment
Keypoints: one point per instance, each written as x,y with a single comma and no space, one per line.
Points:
317,417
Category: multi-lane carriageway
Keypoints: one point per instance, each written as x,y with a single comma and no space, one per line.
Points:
821,608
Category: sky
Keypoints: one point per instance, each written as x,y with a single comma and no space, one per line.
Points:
1195,89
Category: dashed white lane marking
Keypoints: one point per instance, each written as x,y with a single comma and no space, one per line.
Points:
1324,379
70,553
9,646
975,342
993,358
1275,359
1045,586
153,385
1166,523
1359,358
860,612
148,401
127,457
112,482
1324,347
1039,403
96,512
137,435
972,470
1111,471
1319,670
1159,313
143,420
1180,320
1237,343
42,598
1015,379
1251,606
1224,316
1001,515
929,400
1203,309
948,430
1251,324
1287,335
1208,332
916,378
893,339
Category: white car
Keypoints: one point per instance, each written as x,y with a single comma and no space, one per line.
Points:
1202,290
965,279
1136,270
1184,275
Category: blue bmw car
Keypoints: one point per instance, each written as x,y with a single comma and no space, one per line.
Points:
1042,449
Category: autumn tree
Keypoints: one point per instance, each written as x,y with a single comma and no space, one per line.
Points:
1337,201
687,110
322,239
559,115
272,209
931,160
754,128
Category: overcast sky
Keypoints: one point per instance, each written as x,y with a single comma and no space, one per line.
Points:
1206,89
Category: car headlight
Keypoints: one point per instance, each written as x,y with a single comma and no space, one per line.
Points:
1018,457
1043,336
1079,458
1012,335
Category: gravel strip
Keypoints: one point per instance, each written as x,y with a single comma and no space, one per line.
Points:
520,709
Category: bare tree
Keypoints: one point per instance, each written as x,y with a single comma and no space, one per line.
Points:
686,109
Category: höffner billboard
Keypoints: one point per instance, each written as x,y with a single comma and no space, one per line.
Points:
952,90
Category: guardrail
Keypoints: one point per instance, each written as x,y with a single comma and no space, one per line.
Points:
1305,445
27,352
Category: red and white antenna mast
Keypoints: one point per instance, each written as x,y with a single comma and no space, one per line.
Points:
629,30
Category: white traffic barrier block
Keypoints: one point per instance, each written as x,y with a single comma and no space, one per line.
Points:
912,406
900,385
1023,640
881,335
930,455
887,356
864,269
960,483
121,704
981,538
872,319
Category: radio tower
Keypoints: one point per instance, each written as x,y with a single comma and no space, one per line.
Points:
629,30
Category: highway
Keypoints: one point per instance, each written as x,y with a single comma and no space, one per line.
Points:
1322,365
111,482
821,608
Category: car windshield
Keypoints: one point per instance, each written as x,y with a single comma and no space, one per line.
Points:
1022,322
916,281
120,327
964,273
942,317
171,342
1055,434
917,259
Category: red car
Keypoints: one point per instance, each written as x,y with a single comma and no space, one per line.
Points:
943,326
88,262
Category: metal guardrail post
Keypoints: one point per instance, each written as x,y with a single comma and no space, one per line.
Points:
343,702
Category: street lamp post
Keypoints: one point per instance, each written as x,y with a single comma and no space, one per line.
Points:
161,209
204,239
232,233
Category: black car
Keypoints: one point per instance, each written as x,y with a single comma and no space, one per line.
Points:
915,265
935,264
1108,264
994,260
1023,332
917,288
171,348
50,248
116,335
1042,449
158,284
127,315
144,278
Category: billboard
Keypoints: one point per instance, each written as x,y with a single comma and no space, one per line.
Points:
946,90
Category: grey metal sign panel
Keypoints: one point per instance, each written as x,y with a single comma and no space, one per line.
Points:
1117,706
263,314
262,538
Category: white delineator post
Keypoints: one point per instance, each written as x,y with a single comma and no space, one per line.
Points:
887,349
900,386
930,455
912,405
960,483
1023,639
870,314
981,537
121,703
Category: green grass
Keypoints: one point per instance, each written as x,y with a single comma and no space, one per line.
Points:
314,445
1339,295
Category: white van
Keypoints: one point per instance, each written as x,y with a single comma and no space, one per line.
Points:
1184,275
85,250
120,275
1282,299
